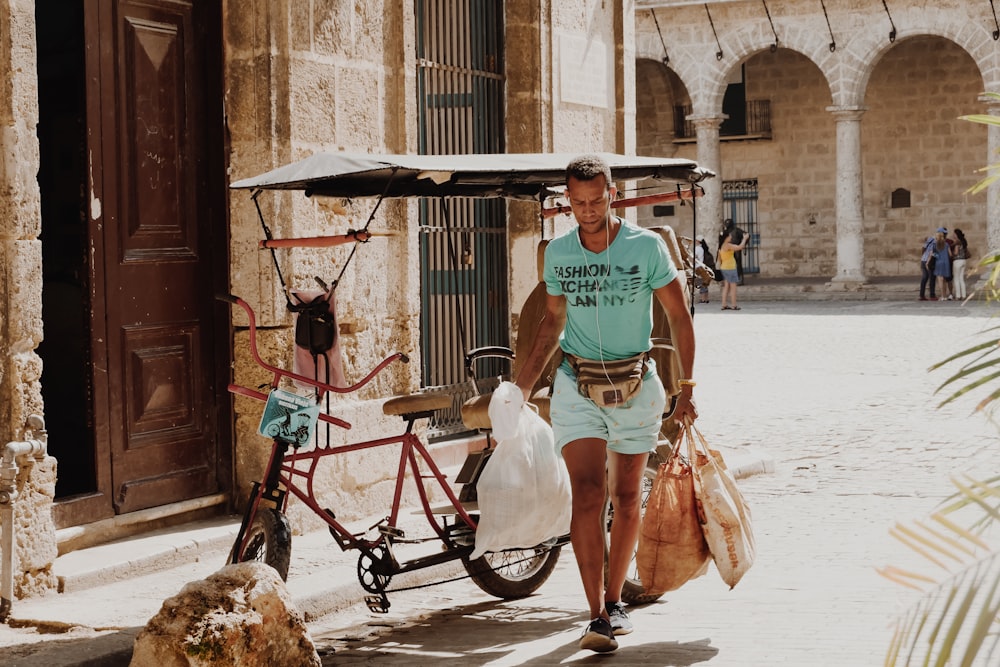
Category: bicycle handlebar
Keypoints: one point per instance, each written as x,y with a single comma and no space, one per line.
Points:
281,372
472,356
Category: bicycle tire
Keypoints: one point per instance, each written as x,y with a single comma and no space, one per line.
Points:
633,592
514,573
269,541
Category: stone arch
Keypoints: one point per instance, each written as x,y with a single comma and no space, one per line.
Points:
657,92
800,38
705,77
693,71
974,39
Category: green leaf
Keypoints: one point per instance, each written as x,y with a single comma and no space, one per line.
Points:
984,622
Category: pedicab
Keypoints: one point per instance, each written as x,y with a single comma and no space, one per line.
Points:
290,420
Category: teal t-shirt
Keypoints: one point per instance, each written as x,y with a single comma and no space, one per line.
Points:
609,294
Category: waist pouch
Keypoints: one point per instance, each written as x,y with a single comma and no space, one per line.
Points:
609,383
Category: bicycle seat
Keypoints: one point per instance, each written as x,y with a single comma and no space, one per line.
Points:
414,403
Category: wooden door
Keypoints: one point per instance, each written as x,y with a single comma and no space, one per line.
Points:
159,253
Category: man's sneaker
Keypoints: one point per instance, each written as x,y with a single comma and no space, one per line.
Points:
599,637
620,624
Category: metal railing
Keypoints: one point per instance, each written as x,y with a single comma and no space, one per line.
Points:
755,123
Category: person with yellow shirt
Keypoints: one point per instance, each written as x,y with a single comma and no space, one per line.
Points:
727,264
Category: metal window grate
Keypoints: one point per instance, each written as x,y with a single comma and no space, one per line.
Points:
739,201
460,85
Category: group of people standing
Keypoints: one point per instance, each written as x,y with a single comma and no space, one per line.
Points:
942,266
728,266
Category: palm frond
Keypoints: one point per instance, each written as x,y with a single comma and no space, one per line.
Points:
957,613
982,628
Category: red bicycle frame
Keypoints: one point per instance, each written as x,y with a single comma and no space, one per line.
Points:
283,474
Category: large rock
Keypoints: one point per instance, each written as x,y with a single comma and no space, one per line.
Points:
241,615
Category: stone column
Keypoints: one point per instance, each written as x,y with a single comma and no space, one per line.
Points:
992,192
709,207
850,212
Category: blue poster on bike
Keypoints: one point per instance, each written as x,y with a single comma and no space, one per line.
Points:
289,417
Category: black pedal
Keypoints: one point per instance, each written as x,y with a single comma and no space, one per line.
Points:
378,604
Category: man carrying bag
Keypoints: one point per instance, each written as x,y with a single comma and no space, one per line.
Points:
603,279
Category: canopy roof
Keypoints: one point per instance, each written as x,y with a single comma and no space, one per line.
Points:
511,175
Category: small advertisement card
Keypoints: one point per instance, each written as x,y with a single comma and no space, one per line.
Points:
289,417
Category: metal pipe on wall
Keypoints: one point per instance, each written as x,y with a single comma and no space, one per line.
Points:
35,444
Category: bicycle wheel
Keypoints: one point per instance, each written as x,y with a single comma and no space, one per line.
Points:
269,540
633,592
515,573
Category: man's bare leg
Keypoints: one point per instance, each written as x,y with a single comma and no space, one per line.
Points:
625,472
586,461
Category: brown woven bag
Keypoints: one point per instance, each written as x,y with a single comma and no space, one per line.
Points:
672,548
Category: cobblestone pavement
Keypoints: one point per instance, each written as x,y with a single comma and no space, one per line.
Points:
840,396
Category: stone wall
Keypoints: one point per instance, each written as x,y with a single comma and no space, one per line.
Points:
338,77
20,295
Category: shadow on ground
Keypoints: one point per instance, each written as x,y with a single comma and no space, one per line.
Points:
494,634
79,648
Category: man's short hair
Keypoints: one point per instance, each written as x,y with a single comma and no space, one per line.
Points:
587,168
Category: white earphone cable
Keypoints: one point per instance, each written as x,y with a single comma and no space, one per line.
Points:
597,301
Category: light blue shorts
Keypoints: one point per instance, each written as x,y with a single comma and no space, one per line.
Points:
731,275
632,428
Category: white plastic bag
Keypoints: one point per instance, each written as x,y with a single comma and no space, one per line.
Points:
505,410
524,492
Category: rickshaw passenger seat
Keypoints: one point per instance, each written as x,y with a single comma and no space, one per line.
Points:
475,411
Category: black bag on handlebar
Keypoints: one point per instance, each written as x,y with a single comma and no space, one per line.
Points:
317,345
315,325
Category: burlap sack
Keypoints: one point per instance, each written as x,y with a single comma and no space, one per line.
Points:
728,525
672,548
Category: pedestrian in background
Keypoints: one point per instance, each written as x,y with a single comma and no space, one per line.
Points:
736,234
702,256
942,264
927,269
951,261
727,264
960,254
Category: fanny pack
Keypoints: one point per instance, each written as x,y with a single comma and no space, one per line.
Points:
609,383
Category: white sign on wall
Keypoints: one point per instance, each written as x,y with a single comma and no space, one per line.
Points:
584,71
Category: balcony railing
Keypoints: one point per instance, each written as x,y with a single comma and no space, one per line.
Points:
755,123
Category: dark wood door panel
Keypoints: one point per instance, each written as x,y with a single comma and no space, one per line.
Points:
166,399
162,394
142,493
159,202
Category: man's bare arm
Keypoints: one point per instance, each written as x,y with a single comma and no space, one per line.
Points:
671,298
545,343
